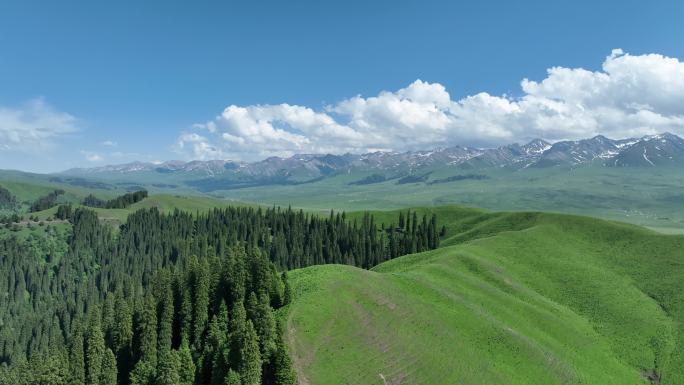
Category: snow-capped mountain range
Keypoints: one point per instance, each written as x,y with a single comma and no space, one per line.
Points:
648,151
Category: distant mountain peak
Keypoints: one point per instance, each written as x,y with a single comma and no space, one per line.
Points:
663,136
536,146
647,151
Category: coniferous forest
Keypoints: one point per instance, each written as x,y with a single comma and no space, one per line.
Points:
7,200
119,202
173,299
45,202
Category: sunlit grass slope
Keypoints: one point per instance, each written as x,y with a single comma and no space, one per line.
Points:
509,299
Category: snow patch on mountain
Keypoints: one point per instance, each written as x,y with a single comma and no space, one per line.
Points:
645,151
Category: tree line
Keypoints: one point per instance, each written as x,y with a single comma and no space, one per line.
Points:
120,202
7,200
173,298
45,202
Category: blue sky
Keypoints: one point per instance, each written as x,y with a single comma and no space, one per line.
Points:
87,83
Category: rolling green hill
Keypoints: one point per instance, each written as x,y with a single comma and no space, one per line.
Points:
510,298
640,195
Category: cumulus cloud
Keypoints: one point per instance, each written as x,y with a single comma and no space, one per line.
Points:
110,143
34,124
91,156
631,95
198,147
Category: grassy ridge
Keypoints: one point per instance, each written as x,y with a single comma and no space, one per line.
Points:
510,299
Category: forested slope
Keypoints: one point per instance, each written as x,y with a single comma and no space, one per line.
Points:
510,298
172,298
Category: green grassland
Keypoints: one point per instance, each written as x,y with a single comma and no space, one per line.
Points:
29,187
510,298
643,196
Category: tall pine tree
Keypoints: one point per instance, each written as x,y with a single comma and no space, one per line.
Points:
108,374
95,349
250,363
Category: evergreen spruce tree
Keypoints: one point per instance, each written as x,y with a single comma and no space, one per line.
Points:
214,362
200,302
250,363
168,368
434,233
122,337
186,366
49,369
108,317
237,327
147,332
95,349
77,356
221,364
265,325
108,374
122,327
282,364
287,291
165,312
185,312
251,305
233,378
143,373
236,275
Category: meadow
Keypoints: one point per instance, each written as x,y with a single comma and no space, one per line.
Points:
649,197
642,196
514,298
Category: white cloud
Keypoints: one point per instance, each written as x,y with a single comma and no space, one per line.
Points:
110,143
267,130
198,147
32,125
91,156
631,95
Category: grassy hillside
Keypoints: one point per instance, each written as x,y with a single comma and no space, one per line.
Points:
510,299
28,187
642,196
